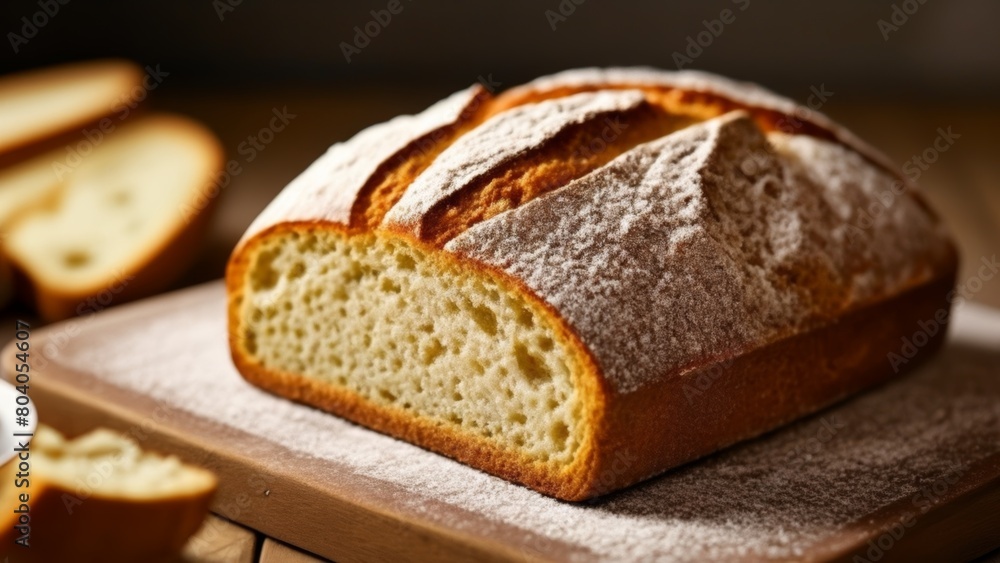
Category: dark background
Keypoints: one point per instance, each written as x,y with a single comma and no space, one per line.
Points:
232,62
946,49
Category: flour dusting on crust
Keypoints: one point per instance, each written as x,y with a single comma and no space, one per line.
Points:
500,140
704,244
327,190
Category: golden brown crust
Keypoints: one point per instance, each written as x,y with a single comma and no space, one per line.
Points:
69,525
569,155
387,185
699,95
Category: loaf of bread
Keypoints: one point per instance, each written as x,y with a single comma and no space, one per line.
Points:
101,498
589,279
121,221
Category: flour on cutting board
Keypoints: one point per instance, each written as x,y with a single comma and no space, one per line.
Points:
771,498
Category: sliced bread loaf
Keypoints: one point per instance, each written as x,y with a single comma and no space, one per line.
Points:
600,276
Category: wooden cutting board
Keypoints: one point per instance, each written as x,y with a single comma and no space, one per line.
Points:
909,470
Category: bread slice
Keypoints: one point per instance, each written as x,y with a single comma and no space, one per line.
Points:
605,274
101,498
45,109
40,104
120,222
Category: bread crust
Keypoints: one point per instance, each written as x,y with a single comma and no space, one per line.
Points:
68,525
635,433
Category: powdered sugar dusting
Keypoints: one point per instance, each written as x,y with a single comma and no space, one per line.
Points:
327,190
499,140
790,494
700,245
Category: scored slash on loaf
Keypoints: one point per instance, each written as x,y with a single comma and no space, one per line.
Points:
486,281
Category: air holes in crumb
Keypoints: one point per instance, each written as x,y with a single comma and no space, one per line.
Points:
389,286
264,276
76,259
387,395
531,366
432,352
559,432
525,318
485,318
297,271
250,341
517,418
406,262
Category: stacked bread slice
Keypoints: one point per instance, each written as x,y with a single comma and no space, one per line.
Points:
101,498
97,205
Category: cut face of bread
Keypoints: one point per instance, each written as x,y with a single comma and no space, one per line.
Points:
39,104
79,226
134,475
544,295
468,352
100,497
